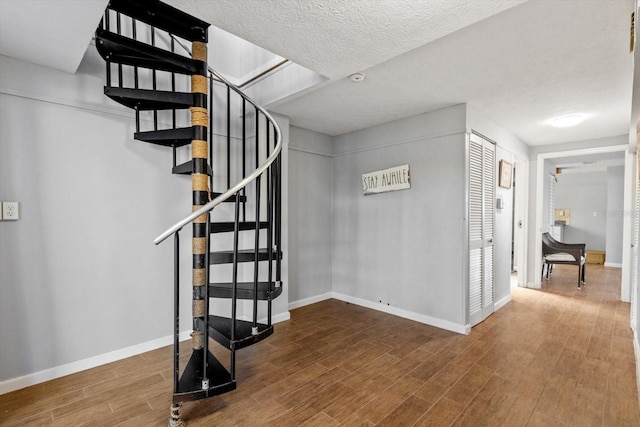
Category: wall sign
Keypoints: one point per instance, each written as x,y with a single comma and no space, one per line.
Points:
392,179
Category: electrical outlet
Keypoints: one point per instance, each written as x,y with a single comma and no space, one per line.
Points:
10,211
0,211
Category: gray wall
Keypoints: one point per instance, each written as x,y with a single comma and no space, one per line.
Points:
79,272
586,195
404,248
310,214
615,214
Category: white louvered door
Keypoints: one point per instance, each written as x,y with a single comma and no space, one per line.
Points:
482,191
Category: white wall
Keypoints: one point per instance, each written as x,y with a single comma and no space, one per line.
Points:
585,194
404,248
615,215
310,215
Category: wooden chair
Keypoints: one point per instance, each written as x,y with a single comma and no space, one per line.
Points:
555,252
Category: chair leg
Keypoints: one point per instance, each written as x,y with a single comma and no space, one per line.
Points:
584,269
579,277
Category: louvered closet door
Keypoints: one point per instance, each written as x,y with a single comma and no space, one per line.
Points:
481,228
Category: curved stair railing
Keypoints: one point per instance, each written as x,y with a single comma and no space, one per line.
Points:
144,72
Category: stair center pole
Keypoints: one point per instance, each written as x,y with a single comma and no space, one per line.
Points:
200,189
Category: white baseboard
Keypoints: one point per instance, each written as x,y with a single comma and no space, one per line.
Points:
13,384
427,320
308,301
501,302
612,264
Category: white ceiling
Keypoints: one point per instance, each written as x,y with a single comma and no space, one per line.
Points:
519,62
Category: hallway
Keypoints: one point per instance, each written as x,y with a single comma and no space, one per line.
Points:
560,356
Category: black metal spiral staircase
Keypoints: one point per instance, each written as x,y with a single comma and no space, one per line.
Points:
149,69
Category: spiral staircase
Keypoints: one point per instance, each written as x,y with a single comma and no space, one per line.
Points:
232,147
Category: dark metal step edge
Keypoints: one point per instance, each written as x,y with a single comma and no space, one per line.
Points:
244,290
186,168
119,49
245,255
230,199
190,383
225,227
147,99
220,331
171,137
164,17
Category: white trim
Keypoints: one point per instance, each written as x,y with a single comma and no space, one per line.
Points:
502,302
280,317
613,264
88,363
311,300
427,320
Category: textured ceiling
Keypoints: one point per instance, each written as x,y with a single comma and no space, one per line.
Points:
519,62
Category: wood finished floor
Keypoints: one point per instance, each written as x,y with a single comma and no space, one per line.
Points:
556,357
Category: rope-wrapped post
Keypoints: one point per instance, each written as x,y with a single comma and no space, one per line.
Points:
200,189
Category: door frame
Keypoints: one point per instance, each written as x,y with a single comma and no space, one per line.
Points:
627,221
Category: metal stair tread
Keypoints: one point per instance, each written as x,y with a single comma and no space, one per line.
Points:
163,16
244,290
190,382
186,168
230,199
244,255
220,331
169,137
119,49
147,99
229,226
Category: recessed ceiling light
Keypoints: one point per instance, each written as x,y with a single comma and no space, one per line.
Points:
357,77
567,121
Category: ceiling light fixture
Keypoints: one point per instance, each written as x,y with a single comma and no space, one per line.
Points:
357,77
567,121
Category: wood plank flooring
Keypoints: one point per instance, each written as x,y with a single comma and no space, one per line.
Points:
557,357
